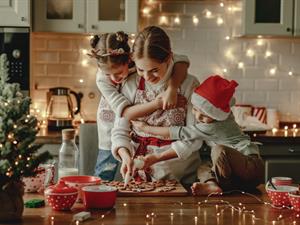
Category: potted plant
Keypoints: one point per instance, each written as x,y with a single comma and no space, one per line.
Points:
18,153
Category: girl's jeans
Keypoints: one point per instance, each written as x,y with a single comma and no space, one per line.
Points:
106,165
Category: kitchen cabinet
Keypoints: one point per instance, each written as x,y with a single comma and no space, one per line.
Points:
85,16
15,13
271,17
281,159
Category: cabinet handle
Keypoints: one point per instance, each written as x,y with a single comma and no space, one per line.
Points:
288,29
80,25
94,27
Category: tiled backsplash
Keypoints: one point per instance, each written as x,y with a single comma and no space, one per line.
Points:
260,66
60,60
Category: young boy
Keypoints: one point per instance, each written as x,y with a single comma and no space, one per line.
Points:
236,163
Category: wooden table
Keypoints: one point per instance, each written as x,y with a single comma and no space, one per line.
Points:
169,210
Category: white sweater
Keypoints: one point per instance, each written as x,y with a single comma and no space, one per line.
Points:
184,167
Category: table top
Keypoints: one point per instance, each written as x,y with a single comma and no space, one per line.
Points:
171,210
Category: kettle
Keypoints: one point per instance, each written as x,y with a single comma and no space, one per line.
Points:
60,111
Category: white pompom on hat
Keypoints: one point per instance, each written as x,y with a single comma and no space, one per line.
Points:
213,97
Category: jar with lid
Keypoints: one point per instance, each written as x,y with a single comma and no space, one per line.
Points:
68,154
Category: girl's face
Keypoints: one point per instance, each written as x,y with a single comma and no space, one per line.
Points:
117,73
151,70
201,116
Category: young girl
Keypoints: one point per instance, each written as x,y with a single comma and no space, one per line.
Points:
154,62
236,163
113,58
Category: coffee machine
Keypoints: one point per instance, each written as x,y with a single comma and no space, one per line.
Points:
60,110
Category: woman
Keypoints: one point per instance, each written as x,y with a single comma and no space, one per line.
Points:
154,63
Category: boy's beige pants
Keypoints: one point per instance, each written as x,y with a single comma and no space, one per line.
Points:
233,170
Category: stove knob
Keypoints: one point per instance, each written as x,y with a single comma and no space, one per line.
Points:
16,53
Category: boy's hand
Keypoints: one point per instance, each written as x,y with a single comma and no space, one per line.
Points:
149,160
159,101
169,98
140,126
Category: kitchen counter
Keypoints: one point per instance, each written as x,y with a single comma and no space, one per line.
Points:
157,210
54,137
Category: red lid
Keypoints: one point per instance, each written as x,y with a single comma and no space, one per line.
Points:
60,188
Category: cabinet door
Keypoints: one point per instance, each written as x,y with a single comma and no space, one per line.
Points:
59,15
15,13
297,18
103,16
268,17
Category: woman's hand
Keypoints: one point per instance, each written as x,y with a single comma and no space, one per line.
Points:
140,126
169,98
127,162
182,101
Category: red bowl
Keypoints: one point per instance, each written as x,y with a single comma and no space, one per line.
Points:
79,182
279,196
99,196
295,200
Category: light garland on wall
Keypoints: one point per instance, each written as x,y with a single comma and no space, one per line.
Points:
229,8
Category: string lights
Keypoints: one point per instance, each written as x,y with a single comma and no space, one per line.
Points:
227,11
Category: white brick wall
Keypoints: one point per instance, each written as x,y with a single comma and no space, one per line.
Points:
57,58
210,53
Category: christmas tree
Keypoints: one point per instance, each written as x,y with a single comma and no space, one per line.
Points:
18,129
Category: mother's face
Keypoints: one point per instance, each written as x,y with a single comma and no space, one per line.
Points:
151,70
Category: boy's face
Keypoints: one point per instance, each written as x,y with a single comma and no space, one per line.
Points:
117,73
200,116
151,70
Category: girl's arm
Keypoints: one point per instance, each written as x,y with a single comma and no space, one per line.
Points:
135,111
179,73
120,104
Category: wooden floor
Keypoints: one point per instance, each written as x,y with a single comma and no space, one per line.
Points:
171,210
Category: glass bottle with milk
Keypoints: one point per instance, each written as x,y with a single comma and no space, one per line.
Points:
68,154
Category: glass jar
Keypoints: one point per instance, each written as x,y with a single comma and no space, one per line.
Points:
68,155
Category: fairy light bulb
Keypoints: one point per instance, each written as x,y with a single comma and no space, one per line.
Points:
28,158
227,38
220,21
221,4
268,54
16,163
77,222
6,104
1,145
84,51
250,52
15,126
177,20
195,20
147,216
81,80
225,70
84,62
102,216
272,71
240,65
163,20
146,11
259,42
208,14
26,121
171,214
290,73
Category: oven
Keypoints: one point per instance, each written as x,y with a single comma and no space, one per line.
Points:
14,41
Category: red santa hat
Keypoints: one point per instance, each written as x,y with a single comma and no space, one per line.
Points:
213,97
